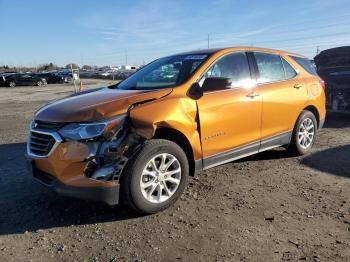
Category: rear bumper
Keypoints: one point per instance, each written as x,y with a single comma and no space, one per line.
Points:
105,194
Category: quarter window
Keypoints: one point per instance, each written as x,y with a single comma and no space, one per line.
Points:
270,67
288,69
233,66
306,64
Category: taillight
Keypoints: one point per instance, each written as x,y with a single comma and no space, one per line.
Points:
323,84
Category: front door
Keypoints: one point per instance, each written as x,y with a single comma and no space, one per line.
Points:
230,120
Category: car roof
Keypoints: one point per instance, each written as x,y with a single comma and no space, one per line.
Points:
240,48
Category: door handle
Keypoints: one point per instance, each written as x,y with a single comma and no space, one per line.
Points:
252,95
297,86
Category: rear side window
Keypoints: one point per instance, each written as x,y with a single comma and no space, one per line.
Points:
233,66
270,67
306,64
288,69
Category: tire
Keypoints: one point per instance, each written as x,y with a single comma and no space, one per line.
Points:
40,83
142,200
12,84
301,143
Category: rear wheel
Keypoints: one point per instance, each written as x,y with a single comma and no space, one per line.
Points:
156,177
12,84
40,83
304,134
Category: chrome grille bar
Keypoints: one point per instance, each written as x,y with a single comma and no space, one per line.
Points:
42,143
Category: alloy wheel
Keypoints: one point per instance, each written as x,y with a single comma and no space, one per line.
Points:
306,133
160,178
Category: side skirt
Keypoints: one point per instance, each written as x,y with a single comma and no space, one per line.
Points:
247,150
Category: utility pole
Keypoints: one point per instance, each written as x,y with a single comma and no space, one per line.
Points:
208,41
126,57
81,59
318,50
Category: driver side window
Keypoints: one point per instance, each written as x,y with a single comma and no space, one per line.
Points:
234,66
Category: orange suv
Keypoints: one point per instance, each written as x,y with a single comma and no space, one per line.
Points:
139,140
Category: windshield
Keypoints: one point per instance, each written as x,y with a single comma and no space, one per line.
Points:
163,73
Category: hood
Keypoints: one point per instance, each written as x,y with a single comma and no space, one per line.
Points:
95,105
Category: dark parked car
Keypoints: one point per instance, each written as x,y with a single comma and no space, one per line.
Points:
12,80
66,75
338,86
51,78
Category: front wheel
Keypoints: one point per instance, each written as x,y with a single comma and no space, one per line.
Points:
304,134
12,84
156,177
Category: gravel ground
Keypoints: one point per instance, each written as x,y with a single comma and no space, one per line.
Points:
267,207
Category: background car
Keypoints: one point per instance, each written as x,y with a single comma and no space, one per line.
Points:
66,75
338,87
13,80
51,78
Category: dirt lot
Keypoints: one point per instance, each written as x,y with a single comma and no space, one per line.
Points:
263,208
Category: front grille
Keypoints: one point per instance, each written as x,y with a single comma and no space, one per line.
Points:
40,144
53,126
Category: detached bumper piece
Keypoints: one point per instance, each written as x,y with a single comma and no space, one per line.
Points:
108,195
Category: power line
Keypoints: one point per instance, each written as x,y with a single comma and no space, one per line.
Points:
303,38
282,32
209,38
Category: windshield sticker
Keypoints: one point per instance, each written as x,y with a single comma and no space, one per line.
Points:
195,57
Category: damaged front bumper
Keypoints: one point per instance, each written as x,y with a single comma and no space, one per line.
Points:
86,169
108,193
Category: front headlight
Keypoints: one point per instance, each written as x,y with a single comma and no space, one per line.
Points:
83,131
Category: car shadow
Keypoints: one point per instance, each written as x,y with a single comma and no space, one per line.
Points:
28,206
334,161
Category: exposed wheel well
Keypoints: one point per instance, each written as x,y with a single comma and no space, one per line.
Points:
314,110
180,139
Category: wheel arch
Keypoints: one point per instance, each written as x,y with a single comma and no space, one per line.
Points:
181,140
313,109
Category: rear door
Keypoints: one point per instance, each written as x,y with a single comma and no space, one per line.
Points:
283,94
230,120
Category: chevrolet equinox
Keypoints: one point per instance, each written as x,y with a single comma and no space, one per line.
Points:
138,141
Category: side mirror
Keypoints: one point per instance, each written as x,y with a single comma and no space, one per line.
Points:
195,91
216,83
210,84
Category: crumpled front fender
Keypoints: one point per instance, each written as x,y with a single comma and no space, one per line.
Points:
179,113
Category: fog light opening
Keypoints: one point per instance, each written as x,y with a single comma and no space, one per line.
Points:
104,173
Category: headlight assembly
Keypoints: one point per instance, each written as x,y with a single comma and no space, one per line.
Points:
86,131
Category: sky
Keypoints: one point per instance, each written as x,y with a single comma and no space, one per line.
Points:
113,32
